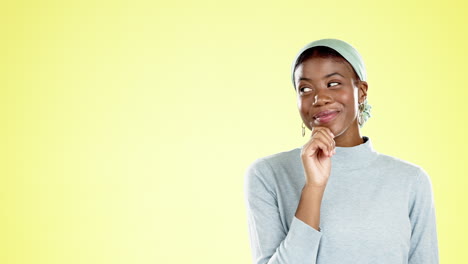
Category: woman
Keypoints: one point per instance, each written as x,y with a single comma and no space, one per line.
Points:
336,199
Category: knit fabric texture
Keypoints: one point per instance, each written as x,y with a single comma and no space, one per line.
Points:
375,209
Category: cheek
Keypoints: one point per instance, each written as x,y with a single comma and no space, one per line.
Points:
303,109
300,103
350,99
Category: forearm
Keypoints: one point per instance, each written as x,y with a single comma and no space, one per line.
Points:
270,241
308,209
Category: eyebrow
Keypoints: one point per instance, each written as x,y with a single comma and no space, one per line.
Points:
326,76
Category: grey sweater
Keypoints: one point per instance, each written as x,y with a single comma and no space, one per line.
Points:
375,209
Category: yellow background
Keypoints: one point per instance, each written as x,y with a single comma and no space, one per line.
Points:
126,126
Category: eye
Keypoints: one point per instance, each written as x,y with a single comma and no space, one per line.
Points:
305,89
334,83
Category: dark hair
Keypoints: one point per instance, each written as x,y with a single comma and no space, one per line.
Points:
322,52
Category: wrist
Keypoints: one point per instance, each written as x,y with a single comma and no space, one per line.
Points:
314,187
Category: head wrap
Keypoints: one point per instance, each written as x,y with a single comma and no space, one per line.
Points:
344,49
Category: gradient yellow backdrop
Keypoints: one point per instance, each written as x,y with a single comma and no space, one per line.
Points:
126,126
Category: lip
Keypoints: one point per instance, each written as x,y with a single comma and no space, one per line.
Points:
326,116
324,112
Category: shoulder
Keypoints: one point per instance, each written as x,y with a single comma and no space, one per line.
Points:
264,169
391,161
401,167
271,162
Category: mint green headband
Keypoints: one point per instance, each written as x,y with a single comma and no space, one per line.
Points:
344,49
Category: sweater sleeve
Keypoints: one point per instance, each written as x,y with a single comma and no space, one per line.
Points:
270,242
423,248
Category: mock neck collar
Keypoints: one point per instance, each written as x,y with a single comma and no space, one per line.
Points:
354,157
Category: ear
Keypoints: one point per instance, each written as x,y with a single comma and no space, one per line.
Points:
362,91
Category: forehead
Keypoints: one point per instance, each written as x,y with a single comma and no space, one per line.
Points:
318,67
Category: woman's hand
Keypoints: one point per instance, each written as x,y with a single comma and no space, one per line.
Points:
316,156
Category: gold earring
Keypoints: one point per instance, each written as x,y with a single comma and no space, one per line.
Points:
303,129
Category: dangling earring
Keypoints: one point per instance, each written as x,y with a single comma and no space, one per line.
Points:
303,130
364,112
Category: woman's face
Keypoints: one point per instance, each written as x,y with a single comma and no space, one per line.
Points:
327,84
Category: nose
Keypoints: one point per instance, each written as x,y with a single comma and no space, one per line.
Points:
322,97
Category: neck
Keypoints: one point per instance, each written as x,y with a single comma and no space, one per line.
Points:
350,138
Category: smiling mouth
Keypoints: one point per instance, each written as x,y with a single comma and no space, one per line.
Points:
322,119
